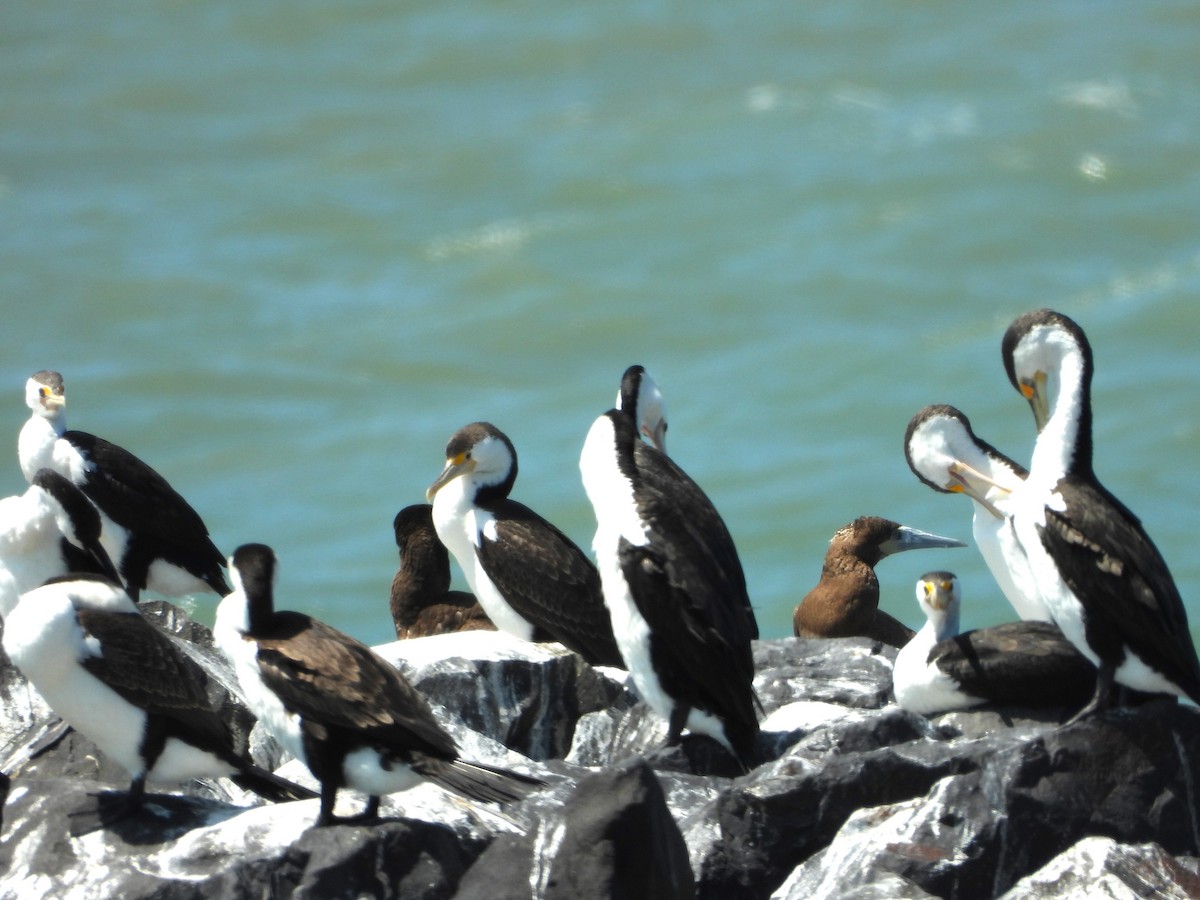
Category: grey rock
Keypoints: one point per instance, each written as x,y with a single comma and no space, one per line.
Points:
854,798
614,836
526,696
1099,867
1126,775
851,672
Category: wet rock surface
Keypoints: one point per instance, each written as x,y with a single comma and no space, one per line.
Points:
852,796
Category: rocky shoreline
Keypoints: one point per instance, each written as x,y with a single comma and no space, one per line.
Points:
854,797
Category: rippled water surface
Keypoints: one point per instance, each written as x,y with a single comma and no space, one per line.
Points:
283,250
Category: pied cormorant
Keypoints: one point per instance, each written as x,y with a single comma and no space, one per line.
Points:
336,705
530,578
122,682
672,584
1101,577
155,539
944,452
1026,663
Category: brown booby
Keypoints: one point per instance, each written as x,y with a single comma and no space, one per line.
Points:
155,539
945,454
530,578
1102,579
1026,663
422,603
337,706
673,585
119,680
845,602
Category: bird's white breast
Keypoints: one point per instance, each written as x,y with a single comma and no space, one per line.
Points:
462,527
1008,564
242,654
43,639
922,687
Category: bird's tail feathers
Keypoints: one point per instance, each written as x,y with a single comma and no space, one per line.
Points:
270,786
482,782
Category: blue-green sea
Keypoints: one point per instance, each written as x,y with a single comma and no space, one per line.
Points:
282,251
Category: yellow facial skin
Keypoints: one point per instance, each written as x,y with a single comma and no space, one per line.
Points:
455,466
1034,390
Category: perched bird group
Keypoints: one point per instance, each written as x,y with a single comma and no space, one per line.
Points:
1061,547
662,595
97,527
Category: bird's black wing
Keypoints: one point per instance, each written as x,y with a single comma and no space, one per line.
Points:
549,581
663,487
1028,663
1118,575
332,680
136,497
141,664
688,585
694,656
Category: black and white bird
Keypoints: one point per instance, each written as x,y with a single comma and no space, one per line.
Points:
641,397
943,452
155,539
421,601
119,680
1026,663
529,577
337,706
673,586
46,532
1102,579
845,601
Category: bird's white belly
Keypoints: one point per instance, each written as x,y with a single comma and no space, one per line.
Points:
180,761
44,641
923,688
266,706
1005,560
171,581
364,772
25,568
457,524
632,634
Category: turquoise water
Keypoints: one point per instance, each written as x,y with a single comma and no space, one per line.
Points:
283,250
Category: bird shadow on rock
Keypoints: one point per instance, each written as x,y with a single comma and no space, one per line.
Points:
160,817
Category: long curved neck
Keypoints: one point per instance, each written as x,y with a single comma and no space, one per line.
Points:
944,624
1064,446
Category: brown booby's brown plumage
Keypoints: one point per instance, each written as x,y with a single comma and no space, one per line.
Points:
845,602
421,601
